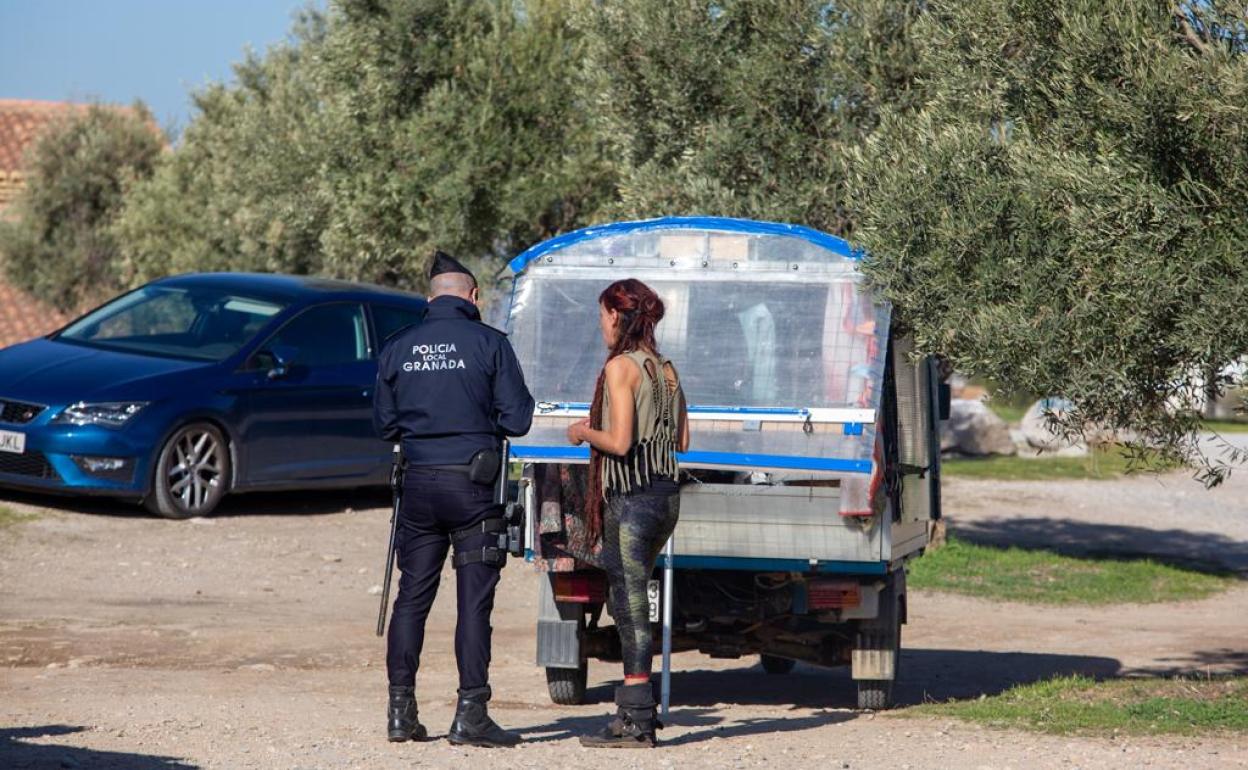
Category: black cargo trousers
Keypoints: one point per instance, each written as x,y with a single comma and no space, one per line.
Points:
436,503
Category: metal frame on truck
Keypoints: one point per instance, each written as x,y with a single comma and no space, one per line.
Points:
813,474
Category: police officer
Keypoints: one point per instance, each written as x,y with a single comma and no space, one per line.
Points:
449,389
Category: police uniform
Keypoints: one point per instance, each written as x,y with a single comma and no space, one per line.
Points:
448,388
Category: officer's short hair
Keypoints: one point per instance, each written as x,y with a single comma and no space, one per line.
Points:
452,283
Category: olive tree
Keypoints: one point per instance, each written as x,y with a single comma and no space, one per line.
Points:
1064,213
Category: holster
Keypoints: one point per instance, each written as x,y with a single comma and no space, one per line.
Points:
484,466
492,554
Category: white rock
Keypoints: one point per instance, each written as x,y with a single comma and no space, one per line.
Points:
974,429
1038,433
374,591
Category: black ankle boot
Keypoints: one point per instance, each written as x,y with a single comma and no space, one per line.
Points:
472,725
634,723
402,722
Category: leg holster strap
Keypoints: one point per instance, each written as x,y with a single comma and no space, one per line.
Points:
492,554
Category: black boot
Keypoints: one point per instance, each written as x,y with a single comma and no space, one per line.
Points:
472,725
402,723
634,723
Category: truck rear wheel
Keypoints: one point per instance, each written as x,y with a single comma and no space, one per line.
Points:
875,694
775,665
567,685
882,633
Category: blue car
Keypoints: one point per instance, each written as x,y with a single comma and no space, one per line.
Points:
197,385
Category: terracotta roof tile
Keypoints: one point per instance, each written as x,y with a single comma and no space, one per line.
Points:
11,183
21,122
22,317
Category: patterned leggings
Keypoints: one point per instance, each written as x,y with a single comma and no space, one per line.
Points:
635,529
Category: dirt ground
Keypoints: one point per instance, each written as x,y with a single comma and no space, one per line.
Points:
246,641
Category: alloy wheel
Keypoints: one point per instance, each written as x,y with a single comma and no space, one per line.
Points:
196,470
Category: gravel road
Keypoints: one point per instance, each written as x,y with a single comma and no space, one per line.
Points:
245,641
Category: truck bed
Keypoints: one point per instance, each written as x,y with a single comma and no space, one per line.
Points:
786,525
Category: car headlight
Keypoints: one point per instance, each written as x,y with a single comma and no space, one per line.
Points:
111,415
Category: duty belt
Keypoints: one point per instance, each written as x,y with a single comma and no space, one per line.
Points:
451,468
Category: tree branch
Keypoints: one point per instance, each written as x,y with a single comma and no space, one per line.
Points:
1190,35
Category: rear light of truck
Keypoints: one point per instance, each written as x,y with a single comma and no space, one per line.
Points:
832,595
582,587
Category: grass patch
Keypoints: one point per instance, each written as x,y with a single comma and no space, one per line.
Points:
9,517
1077,705
1011,413
1226,426
1098,465
1044,577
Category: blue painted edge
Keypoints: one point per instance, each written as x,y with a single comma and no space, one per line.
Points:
785,410
801,598
795,462
720,224
749,564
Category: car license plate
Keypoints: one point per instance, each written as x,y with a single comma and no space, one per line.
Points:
12,441
653,594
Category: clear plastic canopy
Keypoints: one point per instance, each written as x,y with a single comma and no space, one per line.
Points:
779,348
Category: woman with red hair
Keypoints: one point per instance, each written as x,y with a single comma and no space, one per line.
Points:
637,423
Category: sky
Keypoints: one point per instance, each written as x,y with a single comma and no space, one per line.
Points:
117,51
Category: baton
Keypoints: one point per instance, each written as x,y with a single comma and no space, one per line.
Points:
396,487
504,469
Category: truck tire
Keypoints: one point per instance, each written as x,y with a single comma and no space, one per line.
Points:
776,665
882,633
567,685
875,694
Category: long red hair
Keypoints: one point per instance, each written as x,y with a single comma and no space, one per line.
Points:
640,311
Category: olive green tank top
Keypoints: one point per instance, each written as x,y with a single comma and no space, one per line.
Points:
655,425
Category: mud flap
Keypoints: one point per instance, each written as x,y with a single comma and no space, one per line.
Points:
558,644
873,663
558,629
875,653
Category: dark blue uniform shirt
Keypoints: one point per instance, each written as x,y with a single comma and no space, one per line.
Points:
449,387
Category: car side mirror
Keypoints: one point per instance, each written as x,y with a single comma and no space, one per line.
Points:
283,356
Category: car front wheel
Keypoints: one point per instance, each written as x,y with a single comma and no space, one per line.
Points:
191,473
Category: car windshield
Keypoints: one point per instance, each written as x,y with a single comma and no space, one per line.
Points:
200,323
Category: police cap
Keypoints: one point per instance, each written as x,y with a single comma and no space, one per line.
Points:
445,263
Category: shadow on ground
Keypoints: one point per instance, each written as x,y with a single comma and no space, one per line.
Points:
297,503
1200,663
925,675
1201,551
16,752
683,716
